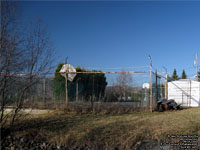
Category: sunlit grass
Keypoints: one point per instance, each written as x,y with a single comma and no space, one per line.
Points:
123,130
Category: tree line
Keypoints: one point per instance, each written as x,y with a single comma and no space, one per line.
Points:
183,75
176,77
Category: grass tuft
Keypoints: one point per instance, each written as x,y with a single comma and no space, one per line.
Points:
109,129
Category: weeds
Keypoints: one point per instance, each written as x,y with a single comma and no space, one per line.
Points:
110,130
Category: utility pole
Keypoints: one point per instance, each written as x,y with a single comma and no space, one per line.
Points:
166,76
150,83
66,89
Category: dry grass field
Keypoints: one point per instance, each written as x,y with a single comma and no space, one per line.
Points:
109,130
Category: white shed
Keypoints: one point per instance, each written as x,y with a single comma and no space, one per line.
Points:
185,92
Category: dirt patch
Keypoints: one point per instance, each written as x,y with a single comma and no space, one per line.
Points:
31,111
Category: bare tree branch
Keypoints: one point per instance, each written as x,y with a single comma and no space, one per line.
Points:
29,52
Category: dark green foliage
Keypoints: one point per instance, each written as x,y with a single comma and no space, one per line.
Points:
184,76
175,76
59,84
89,85
138,97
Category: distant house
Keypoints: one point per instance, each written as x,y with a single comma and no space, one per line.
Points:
185,92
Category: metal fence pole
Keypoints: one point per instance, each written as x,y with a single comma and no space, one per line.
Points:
156,88
166,86
150,84
44,91
66,91
161,90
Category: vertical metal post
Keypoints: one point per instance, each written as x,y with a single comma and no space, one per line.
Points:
156,86
166,86
166,77
151,92
188,91
197,66
93,88
66,88
92,100
44,91
145,99
66,91
151,88
77,91
161,90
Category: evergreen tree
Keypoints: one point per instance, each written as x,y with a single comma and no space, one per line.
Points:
89,85
174,75
184,76
59,84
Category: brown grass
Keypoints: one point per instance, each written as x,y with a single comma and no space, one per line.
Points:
110,130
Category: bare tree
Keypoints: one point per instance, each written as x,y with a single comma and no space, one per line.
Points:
9,53
38,48
123,81
24,55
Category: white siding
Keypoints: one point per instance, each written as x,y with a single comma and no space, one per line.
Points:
185,92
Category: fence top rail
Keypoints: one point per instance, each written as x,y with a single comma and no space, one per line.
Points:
89,72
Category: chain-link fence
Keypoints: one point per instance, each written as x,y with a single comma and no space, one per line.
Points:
118,90
125,90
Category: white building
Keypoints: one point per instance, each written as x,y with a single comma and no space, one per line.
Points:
185,92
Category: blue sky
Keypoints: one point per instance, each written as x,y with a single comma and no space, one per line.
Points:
118,34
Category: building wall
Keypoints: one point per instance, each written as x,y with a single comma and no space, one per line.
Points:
185,92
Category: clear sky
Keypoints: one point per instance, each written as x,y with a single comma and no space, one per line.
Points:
120,34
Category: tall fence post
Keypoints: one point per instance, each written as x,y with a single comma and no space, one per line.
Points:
197,69
156,87
166,86
66,91
44,91
145,104
76,91
151,86
161,90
